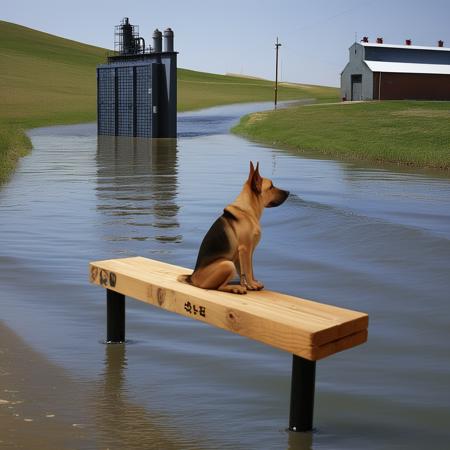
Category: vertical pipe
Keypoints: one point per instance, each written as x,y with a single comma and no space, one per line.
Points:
302,394
115,317
276,72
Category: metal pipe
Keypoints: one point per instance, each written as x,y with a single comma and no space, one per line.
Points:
277,45
140,45
115,317
302,394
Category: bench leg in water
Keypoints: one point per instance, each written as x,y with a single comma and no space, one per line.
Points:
302,394
115,317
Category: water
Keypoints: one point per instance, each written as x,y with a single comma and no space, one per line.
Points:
369,239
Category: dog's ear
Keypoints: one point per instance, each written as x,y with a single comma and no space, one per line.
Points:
252,171
256,180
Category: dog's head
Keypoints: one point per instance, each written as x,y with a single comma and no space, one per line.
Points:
263,187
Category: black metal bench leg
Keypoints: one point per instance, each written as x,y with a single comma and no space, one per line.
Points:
302,394
115,317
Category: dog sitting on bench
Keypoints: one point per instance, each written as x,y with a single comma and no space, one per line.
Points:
227,248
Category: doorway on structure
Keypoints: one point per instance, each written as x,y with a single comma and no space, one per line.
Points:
356,87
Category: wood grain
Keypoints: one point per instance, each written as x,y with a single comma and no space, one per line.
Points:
303,327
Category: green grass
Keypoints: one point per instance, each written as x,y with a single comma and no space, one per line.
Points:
48,80
401,132
43,80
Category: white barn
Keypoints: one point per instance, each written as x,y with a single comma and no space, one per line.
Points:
378,71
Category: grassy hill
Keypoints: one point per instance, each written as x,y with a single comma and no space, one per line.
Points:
200,90
45,79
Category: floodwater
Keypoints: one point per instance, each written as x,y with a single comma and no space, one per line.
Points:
371,239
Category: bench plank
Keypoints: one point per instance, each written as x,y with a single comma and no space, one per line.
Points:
303,327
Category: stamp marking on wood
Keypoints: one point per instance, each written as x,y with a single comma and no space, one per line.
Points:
94,273
112,279
192,308
103,277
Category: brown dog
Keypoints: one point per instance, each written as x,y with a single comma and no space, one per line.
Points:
229,244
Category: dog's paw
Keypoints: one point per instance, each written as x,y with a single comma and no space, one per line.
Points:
255,285
238,289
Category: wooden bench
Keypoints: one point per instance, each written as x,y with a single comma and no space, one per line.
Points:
307,329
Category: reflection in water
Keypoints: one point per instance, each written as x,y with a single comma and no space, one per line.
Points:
300,441
137,187
123,424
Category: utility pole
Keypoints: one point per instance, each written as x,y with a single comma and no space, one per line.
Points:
277,45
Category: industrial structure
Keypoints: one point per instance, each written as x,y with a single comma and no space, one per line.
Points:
137,87
378,71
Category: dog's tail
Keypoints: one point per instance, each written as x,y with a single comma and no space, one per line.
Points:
185,279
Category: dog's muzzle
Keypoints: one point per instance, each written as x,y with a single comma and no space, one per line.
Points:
278,201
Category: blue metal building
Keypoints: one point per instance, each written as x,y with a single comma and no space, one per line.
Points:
137,87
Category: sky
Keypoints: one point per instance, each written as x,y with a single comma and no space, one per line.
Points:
231,36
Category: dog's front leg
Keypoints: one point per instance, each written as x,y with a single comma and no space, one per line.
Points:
257,285
246,270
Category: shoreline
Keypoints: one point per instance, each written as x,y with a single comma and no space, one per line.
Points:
43,408
34,394
408,134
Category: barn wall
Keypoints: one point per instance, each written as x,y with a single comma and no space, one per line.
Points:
356,66
411,86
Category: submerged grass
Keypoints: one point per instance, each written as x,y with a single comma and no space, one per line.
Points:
13,145
48,80
415,133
